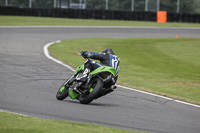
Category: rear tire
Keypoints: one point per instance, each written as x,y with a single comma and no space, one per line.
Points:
97,85
62,92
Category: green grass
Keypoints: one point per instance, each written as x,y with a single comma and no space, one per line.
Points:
12,123
165,66
40,21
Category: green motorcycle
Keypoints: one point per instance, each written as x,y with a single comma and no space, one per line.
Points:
99,83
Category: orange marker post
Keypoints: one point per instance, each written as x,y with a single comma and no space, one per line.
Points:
161,16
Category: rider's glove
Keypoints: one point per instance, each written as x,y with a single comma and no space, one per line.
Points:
83,53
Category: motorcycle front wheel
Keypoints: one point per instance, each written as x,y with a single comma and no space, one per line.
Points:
93,93
62,92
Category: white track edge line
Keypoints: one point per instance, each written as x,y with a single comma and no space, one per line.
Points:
1,110
47,54
99,27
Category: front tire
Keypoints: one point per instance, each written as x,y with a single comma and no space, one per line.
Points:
97,86
62,92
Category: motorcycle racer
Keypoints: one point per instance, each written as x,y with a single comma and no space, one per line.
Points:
107,58
92,80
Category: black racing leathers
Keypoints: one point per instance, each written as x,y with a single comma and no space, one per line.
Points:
105,59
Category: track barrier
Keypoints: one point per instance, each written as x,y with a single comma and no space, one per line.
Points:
99,14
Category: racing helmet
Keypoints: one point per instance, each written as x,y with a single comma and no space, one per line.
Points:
108,51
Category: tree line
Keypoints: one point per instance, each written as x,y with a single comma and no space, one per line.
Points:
186,6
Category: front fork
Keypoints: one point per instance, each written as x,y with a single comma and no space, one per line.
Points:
69,81
76,85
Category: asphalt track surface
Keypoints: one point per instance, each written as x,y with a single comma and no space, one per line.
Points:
29,82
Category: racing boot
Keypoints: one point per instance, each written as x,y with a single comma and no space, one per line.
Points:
113,87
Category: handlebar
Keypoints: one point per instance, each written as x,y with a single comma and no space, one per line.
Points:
81,55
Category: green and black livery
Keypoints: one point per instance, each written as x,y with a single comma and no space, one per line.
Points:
99,82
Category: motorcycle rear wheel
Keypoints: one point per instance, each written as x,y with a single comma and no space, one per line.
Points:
97,86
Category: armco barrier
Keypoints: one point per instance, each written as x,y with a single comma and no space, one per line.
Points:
97,14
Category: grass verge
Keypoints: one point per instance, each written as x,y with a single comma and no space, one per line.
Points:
13,123
165,66
41,21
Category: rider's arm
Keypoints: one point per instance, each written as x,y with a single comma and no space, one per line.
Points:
93,55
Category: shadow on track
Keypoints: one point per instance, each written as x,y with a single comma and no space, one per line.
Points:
93,103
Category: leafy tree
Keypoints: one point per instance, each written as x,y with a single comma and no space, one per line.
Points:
186,6
43,3
20,3
96,4
2,2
